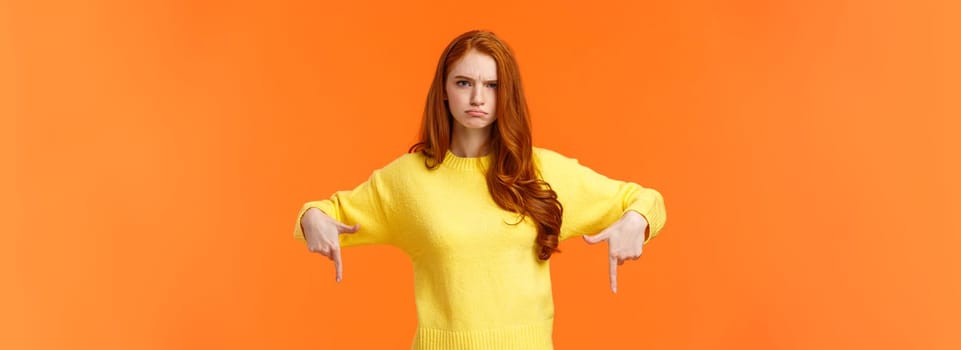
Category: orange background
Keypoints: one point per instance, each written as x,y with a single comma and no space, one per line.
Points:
156,153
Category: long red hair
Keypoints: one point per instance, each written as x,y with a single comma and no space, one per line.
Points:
512,179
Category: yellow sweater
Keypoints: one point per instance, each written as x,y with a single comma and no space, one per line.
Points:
477,281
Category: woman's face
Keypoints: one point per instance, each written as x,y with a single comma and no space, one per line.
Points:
472,90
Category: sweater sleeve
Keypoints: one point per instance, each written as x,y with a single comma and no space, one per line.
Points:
592,201
364,205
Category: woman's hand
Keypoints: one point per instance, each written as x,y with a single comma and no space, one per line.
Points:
323,236
625,241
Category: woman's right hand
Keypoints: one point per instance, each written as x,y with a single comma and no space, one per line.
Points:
323,236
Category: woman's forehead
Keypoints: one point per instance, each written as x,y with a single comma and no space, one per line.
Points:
475,65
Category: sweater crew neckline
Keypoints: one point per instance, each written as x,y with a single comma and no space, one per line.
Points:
467,163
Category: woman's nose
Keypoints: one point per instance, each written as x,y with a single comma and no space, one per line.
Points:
477,97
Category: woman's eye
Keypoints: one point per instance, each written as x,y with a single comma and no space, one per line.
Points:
462,83
492,85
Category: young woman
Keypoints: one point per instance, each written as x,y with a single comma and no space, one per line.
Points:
480,211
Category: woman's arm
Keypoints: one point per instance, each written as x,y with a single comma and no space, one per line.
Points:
593,202
624,214
347,218
364,205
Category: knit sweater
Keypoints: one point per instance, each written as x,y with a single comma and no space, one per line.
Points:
477,281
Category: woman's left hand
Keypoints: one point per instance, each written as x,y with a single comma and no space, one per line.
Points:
625,241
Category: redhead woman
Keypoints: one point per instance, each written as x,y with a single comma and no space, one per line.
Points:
480,211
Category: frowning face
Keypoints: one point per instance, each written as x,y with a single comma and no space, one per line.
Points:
472,90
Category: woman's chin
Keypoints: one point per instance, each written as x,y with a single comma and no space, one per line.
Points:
475,123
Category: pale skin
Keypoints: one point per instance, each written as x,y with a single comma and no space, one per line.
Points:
471,95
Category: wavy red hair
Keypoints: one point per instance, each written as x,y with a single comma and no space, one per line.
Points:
512,179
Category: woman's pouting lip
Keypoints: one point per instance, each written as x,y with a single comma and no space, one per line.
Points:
476,113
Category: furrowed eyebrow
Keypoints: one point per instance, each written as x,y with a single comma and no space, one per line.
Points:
471,79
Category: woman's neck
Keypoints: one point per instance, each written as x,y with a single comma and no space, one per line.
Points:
470,142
